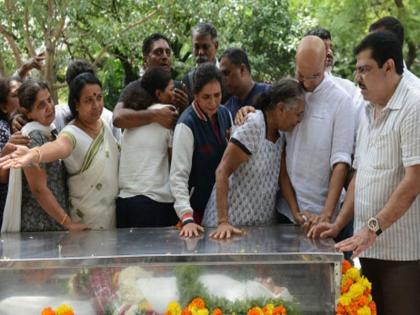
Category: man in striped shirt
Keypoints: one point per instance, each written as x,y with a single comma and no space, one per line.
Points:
384,194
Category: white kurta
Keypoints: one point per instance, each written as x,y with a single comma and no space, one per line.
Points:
324,138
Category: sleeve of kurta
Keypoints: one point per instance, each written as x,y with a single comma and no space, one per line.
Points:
343,134
182,153
247,136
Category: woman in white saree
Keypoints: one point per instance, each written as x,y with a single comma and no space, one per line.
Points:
90,154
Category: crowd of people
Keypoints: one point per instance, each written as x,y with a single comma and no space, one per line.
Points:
222,151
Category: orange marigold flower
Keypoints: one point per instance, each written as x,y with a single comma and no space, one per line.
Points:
340,309
217,311
346,286
372,307
198,302
48,311
186,311
345,266
255,311
279,310
362,300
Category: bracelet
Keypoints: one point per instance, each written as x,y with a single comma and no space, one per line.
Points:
185,222
38,150
64,219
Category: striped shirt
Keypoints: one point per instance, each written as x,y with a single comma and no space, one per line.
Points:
385,147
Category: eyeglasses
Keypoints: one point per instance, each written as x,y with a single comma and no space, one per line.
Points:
302,78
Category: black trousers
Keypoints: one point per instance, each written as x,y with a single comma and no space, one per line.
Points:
395,285
141,211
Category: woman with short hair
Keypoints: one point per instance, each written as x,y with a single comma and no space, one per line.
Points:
200,138
247,177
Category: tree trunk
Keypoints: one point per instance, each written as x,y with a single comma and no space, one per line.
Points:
2,67
50,73
130,73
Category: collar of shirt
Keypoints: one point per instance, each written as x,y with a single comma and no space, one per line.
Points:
198,111
394,103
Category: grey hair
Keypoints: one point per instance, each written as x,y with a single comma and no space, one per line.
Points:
288,91
205,29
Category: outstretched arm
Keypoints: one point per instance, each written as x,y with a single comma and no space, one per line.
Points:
51,151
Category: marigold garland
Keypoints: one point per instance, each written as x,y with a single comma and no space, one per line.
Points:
63,309
198,307
356,297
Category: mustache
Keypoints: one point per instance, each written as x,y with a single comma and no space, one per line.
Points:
202,59
361,85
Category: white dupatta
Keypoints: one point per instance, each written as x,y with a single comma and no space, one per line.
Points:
13,207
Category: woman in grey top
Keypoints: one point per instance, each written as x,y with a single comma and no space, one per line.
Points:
247,177
44,193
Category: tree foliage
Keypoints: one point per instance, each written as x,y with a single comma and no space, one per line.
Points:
109,33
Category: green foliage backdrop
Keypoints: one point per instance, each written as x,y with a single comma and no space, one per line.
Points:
109,33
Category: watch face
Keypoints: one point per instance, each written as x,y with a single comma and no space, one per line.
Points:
373,224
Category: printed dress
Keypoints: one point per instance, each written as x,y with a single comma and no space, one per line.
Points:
253,186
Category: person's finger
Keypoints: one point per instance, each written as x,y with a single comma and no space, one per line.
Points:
200,228
228,234
348,247
237,231
326,234
221,235
312,232
346,241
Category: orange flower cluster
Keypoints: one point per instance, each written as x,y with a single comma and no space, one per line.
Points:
198,307
269,309
356,297
63,309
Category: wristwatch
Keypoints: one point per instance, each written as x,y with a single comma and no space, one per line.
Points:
373,225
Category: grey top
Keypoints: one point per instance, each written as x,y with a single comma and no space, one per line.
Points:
33,217
254,184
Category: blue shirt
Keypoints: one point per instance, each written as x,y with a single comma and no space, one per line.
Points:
234,103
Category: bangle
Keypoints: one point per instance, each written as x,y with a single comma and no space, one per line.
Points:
38,150
64,219
185,222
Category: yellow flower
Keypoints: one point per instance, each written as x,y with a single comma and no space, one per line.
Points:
365,282
203,311
356,290
344,300
353,274
64,309
268,309
365,310
174,308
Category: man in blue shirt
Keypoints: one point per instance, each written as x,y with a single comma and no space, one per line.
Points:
236,70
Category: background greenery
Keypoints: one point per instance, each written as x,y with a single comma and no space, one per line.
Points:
109,33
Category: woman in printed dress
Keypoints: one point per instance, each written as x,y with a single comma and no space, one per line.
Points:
247,177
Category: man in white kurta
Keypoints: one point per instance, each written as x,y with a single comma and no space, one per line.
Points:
318,150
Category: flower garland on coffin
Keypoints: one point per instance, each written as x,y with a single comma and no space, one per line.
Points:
198,307
356,297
